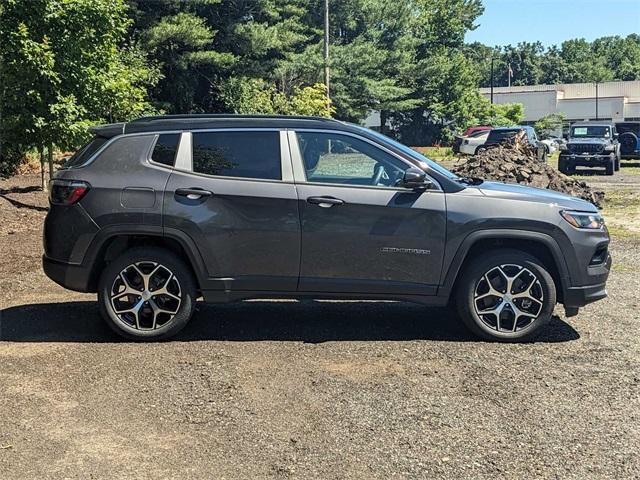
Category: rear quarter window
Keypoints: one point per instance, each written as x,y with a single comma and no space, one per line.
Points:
85,153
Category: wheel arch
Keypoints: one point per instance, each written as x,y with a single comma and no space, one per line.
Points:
110,243
540,245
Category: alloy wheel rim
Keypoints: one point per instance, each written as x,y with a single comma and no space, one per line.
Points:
508,298
145,296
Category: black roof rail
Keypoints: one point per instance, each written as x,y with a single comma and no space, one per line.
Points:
214,116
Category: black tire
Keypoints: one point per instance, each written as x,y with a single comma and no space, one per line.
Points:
610,167
479,150
182,281
472,279
564,166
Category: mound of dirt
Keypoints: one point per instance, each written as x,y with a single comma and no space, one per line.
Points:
516,162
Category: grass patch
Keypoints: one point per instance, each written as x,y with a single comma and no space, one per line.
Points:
621,232
438,154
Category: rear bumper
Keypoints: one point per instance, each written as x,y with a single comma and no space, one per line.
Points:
71,276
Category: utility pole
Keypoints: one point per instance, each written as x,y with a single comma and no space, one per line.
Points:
596,100
326,48
491,79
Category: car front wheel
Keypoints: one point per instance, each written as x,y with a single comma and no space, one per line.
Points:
147,294
506,296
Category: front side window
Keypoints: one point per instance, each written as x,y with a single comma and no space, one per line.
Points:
245,154
165,150
342,159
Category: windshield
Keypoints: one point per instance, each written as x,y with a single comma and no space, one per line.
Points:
412,153
595,131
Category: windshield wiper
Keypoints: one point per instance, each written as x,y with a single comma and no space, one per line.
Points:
470,180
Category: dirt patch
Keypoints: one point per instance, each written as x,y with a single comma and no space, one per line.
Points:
314,389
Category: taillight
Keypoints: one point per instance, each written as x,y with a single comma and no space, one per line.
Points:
67,192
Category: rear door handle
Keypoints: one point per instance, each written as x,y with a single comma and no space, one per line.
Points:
193,193
325,202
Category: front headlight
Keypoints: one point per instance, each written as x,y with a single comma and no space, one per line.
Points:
583,220
609,148
563,147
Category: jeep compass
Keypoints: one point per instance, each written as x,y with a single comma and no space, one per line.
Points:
159,212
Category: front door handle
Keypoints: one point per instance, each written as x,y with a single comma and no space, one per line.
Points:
193,193
325,202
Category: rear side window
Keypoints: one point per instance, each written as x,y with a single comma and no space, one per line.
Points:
248,154
501,135
166,148
81,156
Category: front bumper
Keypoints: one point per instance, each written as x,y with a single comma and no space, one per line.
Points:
579,296
68,275
591,160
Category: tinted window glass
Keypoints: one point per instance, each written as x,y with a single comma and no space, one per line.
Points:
335,158
166,148
501,135
237,154
82,155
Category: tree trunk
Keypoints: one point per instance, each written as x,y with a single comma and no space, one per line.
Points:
50,159
42,184
383,122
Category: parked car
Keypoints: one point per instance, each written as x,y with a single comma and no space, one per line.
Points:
478,128
473,141
503,134
590,144
468,133
155,213
551,144
629,139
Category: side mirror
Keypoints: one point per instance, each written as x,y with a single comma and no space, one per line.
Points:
415,179
565,136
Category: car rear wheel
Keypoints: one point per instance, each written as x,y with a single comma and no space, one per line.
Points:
147,294
506,296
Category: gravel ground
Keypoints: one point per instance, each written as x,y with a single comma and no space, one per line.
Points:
286,389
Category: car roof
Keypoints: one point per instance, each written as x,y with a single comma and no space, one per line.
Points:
515,127
592,124
209,121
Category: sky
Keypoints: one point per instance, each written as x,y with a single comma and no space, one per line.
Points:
553,21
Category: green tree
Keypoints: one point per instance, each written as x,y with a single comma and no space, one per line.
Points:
65,66
550,124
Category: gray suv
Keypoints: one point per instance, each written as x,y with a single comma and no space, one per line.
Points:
156,213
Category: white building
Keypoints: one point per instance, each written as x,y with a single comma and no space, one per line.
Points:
616,101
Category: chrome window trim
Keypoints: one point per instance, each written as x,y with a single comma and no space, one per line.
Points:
300,173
